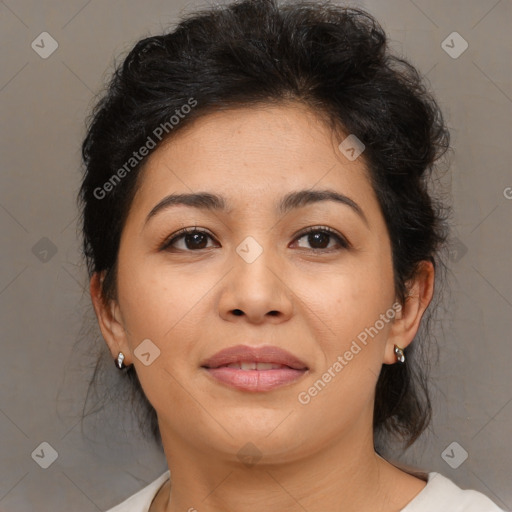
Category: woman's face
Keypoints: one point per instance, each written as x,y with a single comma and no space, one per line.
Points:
253,278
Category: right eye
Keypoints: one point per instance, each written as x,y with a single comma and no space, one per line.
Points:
193,239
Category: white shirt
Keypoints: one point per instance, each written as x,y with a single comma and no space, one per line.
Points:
440,492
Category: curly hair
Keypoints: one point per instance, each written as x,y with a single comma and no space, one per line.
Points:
333,59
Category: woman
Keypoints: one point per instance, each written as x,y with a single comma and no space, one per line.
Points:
262,247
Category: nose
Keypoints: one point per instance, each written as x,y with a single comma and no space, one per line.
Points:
256,290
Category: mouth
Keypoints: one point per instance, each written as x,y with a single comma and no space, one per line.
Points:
255,368
252,358
253,365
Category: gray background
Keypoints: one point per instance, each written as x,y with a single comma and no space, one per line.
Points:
43,105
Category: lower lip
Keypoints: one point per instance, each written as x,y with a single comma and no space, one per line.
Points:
255,380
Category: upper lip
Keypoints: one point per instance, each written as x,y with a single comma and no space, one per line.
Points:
265,354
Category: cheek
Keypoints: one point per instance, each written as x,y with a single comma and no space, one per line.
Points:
155,299
355,296
353,318
342,387
161,306
169,307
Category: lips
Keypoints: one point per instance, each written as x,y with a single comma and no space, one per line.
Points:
254,358
254,369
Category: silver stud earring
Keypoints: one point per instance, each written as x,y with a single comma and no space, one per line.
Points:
119,361
399,353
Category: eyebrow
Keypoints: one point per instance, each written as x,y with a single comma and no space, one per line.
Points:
293,200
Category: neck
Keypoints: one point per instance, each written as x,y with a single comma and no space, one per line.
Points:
345,476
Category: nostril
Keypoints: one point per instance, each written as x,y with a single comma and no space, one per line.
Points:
237,312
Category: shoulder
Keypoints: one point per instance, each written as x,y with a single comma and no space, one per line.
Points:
141,500
442,493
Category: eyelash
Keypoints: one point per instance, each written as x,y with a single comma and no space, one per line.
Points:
313,229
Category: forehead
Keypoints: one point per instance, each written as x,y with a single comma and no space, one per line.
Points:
252,154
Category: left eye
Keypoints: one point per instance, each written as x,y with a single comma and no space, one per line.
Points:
319,237
196,239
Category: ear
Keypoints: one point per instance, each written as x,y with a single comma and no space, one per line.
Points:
407,320
109,319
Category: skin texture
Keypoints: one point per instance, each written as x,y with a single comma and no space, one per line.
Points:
312,300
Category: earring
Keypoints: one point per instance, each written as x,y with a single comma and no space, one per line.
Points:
119,361
399,353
